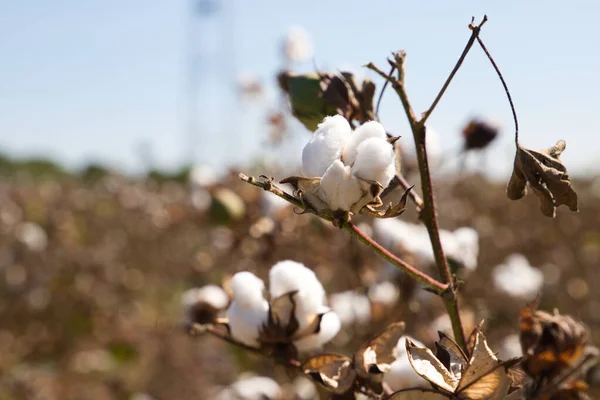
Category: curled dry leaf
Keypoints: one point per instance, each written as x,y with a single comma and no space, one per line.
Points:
376,356
546,175
481,377
335,372
392,210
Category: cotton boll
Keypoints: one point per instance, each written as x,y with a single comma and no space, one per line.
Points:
375,161
201,305
249,311
517,278
510,347
371,129
351,307
297,45
325,146
339,188
289,276
252,388
385,293
330,326
467,247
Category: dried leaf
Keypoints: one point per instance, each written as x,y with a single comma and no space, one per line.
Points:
281,312
456,353
376,356
418,394
333,371
307,190
392,210
546,175
429,367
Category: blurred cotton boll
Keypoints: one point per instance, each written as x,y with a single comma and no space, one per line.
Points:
252,388
328,329
351,307
201,305
466,250
385,293
297,44
32,236
291,276
249,310
517,278
511,347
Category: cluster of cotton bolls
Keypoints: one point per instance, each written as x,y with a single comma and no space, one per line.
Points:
517,278
249,311
348,162
461,245
251,387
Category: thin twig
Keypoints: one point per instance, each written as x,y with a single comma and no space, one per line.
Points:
474,33
381,93
420,276
512,106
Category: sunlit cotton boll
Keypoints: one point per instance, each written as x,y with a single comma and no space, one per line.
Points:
249,310
517,278
368,130
466,247
329,327
385,293
252,388
289,276
202,304
401,374
32,236
297,44
339,188
351,307
325,146
375,161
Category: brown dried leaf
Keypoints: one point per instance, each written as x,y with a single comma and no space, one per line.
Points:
335,372
418,394
425,364
376,356
546,175
281,312
392,210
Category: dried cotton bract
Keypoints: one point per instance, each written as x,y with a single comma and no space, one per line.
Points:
345,170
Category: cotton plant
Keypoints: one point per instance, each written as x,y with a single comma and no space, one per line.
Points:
350,166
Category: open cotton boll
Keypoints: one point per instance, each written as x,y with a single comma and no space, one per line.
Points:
517,278
249,310
212,295
330,326
252,388
289,276
375,161
385,293
371,129
351,307
325,146
339,188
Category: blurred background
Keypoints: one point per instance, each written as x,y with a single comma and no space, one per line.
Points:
123,125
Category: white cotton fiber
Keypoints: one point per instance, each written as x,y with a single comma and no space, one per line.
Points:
249,310
467,247
371,129
330,326
252,388
339,188
351,307
517,278
375,161
289,276
325,146
213,295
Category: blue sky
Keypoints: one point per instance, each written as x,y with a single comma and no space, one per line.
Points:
91,81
